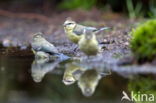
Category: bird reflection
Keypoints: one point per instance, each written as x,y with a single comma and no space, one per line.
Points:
88,81
45,63
86,78
40,67
72,73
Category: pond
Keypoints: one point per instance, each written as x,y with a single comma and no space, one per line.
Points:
24,79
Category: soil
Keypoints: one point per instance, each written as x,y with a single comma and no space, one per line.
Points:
16,30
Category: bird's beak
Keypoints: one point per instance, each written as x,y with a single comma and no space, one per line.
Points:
64,25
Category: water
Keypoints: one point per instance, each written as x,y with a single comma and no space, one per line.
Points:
26,80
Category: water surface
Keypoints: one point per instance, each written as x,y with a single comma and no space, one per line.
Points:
26,80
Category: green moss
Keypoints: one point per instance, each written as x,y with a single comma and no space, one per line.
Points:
143,43
142,85
74,4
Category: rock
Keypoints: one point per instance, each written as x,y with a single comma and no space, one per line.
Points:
6,43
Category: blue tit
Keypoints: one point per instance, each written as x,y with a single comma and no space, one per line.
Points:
88,43
88,82
74,31
39,43
71,73
40,68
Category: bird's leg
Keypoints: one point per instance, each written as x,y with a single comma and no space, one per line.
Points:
75,48
33,51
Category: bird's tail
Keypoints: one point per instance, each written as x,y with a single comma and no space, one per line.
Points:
61,56
101,29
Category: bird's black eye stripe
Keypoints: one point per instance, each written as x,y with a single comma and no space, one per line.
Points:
69,23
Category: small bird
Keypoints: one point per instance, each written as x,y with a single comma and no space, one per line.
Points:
72,73
88,82
88,43
40,68
45,50
74,31
41,55
39,43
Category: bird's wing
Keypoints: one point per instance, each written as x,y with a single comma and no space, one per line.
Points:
101,29
35,47
91,29
78,30
49,48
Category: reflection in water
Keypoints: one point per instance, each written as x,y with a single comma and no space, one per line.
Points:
4,85
88,82
14,75
72,73
40,67
46,56
41,55
87,77
45,63
143,85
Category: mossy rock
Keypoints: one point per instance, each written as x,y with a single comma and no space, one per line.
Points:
143,43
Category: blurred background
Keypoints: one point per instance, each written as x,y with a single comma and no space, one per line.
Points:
25,17
131,8
20,19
